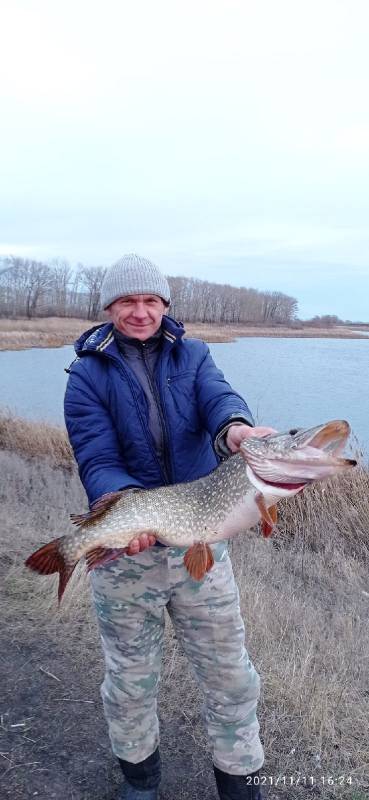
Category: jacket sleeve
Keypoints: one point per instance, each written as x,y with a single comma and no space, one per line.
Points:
93,438
219,404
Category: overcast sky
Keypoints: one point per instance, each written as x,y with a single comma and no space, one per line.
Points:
227,140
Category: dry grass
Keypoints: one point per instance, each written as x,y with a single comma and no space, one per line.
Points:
332,515
34,439
42,324
307,616
228,333
20,334
304,597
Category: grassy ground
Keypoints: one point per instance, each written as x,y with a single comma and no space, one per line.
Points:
305,600
20,334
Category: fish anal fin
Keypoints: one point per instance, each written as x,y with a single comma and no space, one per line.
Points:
47,560
98,509
98,556
269,515
198,560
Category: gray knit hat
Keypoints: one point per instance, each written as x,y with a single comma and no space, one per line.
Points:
133,275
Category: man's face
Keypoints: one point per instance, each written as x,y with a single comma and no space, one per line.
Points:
137,315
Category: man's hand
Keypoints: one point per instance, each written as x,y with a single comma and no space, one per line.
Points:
141,543
238,433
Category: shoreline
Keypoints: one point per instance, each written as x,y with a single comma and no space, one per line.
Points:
49,332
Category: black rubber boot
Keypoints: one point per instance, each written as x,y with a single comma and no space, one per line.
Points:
237,787
142,779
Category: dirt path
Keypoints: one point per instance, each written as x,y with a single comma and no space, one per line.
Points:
53,737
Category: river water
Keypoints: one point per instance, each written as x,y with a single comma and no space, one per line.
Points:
286,382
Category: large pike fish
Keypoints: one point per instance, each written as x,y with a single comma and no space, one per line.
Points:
240,492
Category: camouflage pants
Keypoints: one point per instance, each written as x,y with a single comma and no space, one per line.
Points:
130,596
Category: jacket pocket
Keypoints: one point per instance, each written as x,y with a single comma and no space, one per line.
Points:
189,373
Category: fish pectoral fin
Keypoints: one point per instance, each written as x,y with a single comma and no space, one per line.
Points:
269,515
98,556
198,560
97,509
267,527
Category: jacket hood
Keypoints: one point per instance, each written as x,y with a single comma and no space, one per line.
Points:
100,337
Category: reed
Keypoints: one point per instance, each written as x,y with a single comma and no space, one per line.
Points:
35,439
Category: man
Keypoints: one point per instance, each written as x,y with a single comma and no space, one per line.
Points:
145,407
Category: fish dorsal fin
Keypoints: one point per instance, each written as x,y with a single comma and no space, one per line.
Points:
198,560
269,515
98,509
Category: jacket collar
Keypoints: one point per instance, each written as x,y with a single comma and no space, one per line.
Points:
100,339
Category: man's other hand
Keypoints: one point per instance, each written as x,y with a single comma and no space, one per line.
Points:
238,433
140,543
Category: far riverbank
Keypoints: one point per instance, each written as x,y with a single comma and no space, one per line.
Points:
21,334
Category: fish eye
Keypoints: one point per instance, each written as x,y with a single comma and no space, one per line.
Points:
293,431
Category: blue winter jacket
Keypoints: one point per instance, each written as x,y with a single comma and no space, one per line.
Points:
107,420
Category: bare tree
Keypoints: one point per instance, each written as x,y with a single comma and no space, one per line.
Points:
27,282
92,278
61,277
39,280
202,301
278,308
325,321
30,287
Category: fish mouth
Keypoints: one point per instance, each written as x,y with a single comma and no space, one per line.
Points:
329,438
289,461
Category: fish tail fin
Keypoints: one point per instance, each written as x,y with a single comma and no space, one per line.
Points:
47,560
198,560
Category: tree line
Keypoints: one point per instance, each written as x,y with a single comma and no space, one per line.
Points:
30,288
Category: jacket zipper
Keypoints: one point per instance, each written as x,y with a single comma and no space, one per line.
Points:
166,462
127,377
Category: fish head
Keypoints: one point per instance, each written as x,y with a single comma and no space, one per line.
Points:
287,462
